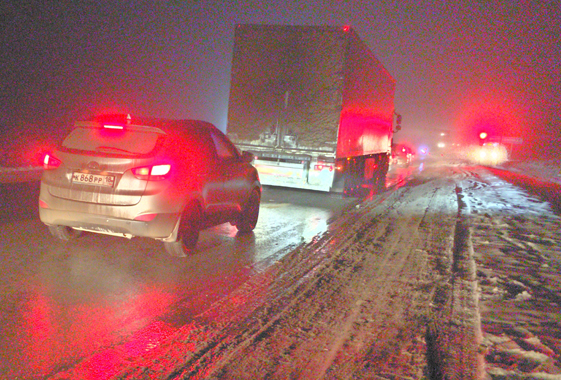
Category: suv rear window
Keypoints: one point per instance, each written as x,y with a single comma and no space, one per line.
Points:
130,141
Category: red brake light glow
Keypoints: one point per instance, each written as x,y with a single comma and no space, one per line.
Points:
153,173
160,170
50,162
323,166
145,217
112,126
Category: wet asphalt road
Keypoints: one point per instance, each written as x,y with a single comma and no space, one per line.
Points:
63,303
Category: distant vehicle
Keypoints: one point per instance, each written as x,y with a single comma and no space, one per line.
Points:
314,105
156,178
490,153
402,155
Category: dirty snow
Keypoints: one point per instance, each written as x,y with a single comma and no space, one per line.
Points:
516,240
20,174
547,170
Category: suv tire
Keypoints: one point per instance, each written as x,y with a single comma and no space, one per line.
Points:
64,233
248,218
188,233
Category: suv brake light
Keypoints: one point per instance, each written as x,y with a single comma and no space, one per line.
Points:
113,126
154,173
50,162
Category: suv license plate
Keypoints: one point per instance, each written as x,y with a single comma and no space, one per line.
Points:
93,179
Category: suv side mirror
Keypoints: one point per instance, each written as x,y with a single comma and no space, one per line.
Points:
247,156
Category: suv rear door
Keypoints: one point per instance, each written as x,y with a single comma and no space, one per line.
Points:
236,172
97,163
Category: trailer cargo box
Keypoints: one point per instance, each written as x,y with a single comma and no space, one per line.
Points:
313,104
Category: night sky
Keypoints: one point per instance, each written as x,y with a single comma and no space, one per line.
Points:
459,66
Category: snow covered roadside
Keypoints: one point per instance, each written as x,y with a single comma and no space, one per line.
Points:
516,240
542,179
549,170
20,174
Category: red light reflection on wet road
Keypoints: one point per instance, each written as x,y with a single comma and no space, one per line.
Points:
84,310
399,176
111,334
51,336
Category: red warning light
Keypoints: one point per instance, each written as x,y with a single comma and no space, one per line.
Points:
346,28
483,135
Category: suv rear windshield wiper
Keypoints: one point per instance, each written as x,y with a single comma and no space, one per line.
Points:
112,148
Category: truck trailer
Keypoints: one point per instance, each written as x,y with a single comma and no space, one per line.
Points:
314,106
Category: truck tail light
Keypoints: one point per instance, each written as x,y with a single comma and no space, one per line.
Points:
50,162
152,173
320,167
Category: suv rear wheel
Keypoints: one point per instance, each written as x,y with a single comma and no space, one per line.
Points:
64,233
248,218
188,233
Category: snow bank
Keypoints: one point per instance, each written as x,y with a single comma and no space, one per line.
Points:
20,174
549,170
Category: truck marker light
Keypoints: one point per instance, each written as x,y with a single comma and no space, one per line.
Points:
323,166
43,204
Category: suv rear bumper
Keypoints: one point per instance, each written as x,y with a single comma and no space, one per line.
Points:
161,227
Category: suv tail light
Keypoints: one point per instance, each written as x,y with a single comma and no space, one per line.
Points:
153,173
50,162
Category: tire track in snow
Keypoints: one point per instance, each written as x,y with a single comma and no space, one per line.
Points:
454,335
383,285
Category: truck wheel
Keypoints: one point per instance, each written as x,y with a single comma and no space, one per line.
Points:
381,183
188,233
64,233
248,218
381,174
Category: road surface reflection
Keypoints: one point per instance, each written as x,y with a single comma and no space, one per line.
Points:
101,300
